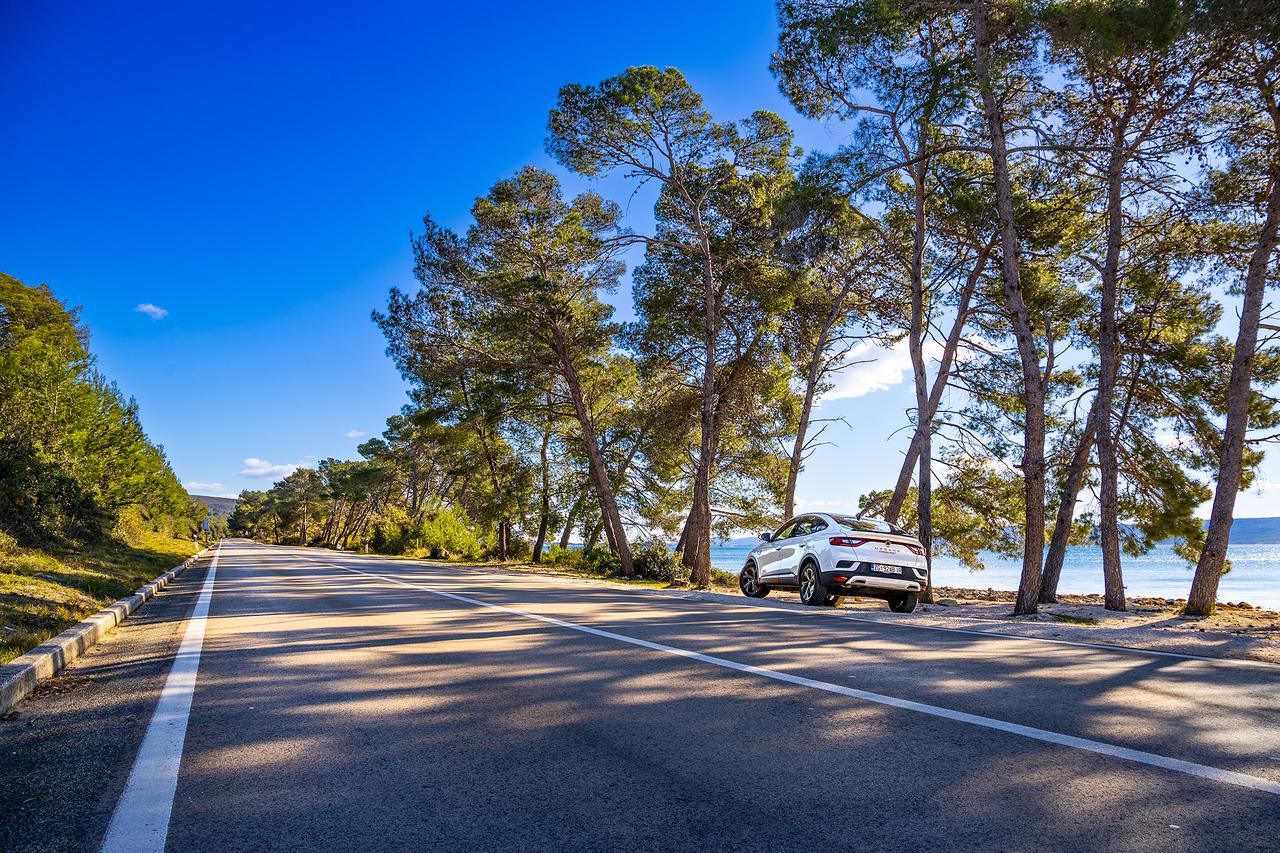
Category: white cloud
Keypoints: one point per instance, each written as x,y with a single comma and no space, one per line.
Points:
212,490
260,469
355,433
870,367
155,312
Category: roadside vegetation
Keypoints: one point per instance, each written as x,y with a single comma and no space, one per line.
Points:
1043,205
89,507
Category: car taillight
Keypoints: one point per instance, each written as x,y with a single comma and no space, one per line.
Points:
917,550
847,541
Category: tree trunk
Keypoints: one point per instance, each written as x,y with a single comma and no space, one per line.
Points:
1067,512
544,516
1204,586
924,417
939,386
616,533
593,535
697,553
573,516
1033,388
1108,366
812,375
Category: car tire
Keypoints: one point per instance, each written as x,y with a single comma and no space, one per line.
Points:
812,590
749,582
834,600
904,603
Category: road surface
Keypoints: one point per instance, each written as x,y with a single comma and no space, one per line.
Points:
346,702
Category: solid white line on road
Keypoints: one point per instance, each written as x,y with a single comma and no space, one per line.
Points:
140,823
1189,768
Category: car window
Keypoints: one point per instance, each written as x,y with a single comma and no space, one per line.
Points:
818,525
786,530
868,525
804,526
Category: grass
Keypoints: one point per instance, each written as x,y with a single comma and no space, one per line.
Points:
42,593
1074,620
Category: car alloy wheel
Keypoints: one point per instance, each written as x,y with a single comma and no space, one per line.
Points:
749,582
812,592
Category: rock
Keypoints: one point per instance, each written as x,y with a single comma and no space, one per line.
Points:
947,602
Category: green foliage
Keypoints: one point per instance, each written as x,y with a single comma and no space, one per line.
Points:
656,562
445,534
73,454
600,561
561,557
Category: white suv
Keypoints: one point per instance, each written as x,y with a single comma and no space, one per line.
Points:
829,556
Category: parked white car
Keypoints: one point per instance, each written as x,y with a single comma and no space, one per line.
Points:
828,556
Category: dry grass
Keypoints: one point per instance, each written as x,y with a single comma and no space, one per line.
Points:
42,593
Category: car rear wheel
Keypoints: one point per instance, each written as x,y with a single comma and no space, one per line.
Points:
904,603
749,582
834,600
812,591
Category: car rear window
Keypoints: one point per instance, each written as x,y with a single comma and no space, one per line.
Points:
868,525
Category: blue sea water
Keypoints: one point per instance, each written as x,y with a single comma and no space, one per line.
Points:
1254,576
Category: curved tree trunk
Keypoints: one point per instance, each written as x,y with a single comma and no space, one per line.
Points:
1066,512
1032,379
1204,586
616,533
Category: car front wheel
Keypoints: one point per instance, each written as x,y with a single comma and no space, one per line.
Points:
812,591
904,603
749,582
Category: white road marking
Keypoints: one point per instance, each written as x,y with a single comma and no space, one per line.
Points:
1189,768
140,823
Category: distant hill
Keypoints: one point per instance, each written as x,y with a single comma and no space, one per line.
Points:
223,507
1255,531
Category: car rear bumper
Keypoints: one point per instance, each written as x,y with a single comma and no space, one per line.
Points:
861,578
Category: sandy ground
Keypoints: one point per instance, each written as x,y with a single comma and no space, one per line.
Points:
1235,630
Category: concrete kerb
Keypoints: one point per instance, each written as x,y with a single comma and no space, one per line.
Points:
21,675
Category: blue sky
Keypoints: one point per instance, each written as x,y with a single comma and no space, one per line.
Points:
254,171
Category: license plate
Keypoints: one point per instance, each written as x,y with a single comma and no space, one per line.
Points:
888,570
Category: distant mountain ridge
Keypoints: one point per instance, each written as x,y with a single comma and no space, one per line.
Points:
1255,531
218,507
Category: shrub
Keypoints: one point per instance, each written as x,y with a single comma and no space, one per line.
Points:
656,562
8,544
601,561
389,531
719,577
557,556
446,534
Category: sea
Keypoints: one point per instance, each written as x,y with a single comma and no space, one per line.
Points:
1254,575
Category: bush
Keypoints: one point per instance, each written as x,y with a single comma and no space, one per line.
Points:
719,577
389,531
656,562
446,534
601,561
8,544
557,556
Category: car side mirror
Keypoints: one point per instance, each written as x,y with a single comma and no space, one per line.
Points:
766,536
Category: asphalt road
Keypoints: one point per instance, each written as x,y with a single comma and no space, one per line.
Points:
359,703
